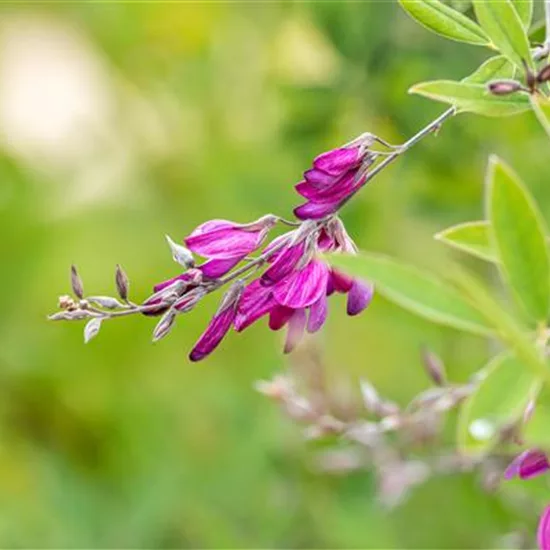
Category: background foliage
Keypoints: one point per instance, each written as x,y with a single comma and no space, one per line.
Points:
120,123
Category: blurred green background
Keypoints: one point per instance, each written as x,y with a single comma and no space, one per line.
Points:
120,123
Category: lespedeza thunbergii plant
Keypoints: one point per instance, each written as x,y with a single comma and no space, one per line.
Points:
289,278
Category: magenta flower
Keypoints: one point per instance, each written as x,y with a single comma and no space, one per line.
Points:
528,464
335,176
543,532
226,243
219,325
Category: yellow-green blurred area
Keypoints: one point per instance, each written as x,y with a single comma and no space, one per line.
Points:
120,123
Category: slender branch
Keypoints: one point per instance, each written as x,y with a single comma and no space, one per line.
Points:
427,130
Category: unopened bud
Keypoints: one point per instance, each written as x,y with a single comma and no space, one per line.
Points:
434,367
180,254
188,301
76,283
544,74
371,400
504,87
165,325
122,283
91,329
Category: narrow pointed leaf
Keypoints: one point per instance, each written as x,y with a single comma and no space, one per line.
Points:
495,68
473,98
415,290
500,399
518,235
470,237
444,20
524,9
500,20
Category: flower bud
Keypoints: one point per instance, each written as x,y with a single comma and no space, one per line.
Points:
164,326
105,301
434,367
122,283
181,254
76,283
544,74
504,87
91,329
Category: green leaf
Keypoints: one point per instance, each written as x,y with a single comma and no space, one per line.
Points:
444,20
536,432
541,108
415,290
524,9
506,326
473,98
518,235
500,20
495,68
470,237
505,390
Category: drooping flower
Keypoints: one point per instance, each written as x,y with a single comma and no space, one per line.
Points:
528,464
335,175
219,325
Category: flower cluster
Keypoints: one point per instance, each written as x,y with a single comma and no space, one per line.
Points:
286,280
292,291
527,465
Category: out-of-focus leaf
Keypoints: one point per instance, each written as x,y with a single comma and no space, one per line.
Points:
525,11
415,290
473,98
501,398
470,237
500,20
536,432
505,326
541,108
495,68
446,21
517,232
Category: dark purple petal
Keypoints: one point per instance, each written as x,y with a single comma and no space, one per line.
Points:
256,301
183,277
212,269
318,178
284,263
325,242
543,532
338,160
337,191
303,288
279,316
296,327
359,297
534,463
221,239
340,281
214,333
528,464
315,211
317,314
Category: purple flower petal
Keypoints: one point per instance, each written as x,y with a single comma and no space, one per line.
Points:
338,160
187,276
214,334
317,314
212,269
318,178
359,297
528,464
279,316
340,281
325,242
222,239
337,191
543,533
296,327
284,263
534,463
256,301
303,288
315,211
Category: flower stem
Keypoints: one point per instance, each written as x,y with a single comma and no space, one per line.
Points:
427,130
